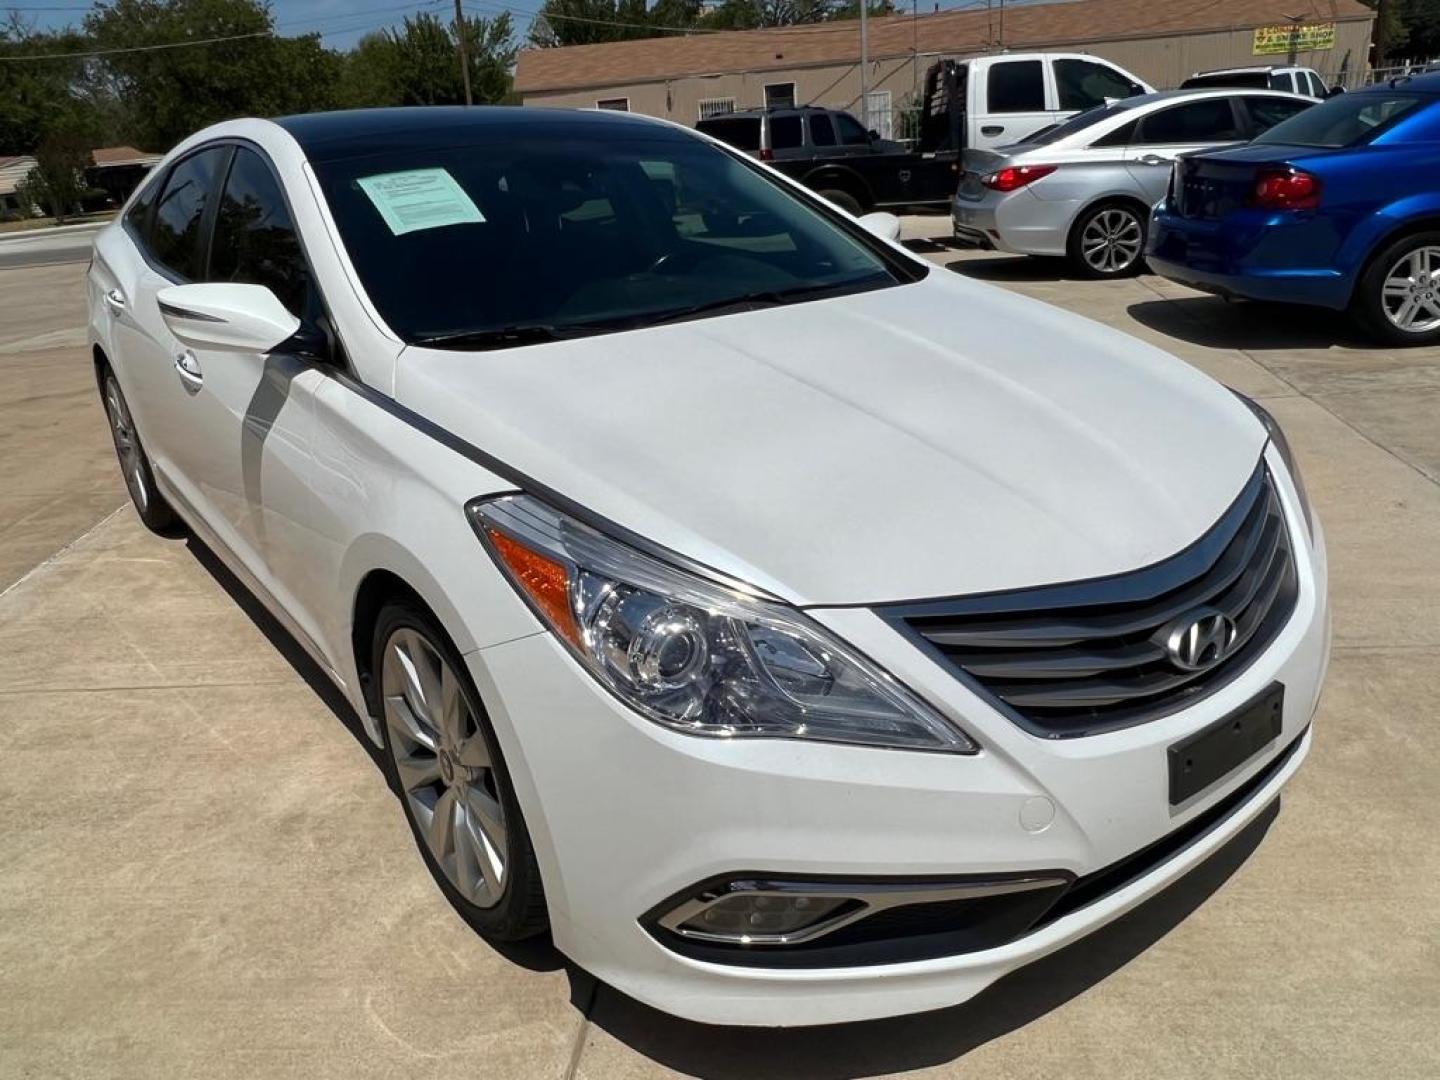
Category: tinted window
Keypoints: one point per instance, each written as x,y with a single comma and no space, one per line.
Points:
254,241
1255,79
1346,120
1266,112
741,132
822,132
851,133
594,230
1280,80
1121,136
1076,124
1200,121
1017,86
137,217
785,132
179,213
1083,84
1317,88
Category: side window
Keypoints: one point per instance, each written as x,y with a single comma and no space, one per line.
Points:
851,133
1017,86
137,218
1211,120
1317,88
784,132
254,240
1124,135
1280,80
822,132
1084,84
175,239
1266,112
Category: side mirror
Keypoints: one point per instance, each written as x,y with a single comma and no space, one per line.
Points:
230,318
1335,90
886,226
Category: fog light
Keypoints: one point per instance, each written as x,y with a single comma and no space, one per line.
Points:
742,915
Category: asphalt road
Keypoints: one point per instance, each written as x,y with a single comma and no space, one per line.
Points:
47,247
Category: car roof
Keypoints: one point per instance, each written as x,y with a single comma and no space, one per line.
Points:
1199,92
1423,84
1253,69
770,110
329,136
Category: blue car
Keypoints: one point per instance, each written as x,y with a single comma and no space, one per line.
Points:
1338,207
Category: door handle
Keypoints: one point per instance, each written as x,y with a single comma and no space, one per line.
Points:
992,129
188,368
115,301
1156,159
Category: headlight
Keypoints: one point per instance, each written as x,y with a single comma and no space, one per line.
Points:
1282,445
691,654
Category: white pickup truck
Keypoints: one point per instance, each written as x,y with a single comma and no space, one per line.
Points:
988,101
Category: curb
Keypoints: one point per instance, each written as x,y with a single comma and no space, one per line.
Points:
53,230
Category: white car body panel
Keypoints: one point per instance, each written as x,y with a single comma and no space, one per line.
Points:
931,439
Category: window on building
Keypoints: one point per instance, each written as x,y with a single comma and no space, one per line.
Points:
822,131
1017,86
1083,84
780,95
785,132
614,104
878,114
715,106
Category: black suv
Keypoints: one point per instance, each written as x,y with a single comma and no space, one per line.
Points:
830,152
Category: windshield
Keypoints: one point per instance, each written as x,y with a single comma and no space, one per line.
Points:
1347,120
534,237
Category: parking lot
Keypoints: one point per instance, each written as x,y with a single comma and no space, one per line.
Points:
202,871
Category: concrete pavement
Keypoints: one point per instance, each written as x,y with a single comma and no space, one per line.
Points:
203,873
48,247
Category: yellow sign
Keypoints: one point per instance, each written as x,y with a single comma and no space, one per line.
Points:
1307,37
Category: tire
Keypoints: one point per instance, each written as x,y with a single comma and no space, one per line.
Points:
843,199
154,511
477,848
1119,228
1411,267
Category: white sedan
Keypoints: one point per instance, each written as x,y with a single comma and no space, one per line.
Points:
1083,189
800,632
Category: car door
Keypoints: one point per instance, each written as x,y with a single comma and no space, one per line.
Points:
1014,103
149,361
1163,135
250,422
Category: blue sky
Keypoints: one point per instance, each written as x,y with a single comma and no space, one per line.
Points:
344,22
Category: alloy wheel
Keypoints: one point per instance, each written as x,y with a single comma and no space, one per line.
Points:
1111,241
1410,294
127,444
443,763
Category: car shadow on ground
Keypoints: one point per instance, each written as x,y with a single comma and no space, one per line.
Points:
1014,268
831,1052
1248,325
843,1051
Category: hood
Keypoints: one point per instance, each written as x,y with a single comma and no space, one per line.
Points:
932,439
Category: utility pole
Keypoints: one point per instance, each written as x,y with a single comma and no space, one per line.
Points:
460,45
864,63
1382,31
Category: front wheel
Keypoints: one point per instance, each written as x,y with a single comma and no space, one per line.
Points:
1398,298
1108,241
445,763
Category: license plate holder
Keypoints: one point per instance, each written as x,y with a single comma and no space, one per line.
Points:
1220,748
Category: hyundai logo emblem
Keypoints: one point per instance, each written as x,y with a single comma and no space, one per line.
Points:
1199,639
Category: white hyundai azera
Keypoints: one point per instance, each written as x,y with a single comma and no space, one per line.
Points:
800,632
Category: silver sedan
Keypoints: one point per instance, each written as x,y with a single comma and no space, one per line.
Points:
1084,188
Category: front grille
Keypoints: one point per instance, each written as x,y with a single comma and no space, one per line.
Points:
1090,656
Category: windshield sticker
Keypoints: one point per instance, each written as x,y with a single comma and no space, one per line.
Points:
420,199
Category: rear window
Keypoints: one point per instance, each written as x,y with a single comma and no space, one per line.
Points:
741,132
784,132
1256,80
1348,120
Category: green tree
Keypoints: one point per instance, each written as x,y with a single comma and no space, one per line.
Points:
589,22
36,96
169,93
58,180
418,64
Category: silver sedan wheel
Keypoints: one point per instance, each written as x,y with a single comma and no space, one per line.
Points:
1411,292
1111,241
127,445
443,763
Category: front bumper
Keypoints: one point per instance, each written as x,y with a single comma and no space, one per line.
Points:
625,814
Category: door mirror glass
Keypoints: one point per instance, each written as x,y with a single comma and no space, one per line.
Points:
886,226
227,317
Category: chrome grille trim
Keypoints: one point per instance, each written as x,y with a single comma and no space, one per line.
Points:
1086,657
